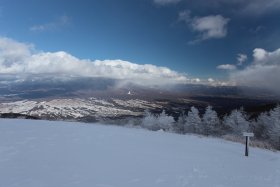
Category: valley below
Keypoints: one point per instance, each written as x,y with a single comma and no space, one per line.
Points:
100,99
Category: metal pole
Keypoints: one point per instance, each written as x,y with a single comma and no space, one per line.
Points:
247,147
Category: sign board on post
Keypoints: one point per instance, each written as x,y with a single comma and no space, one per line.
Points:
247,135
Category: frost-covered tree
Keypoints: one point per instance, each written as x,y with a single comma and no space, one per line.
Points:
237,122
274,126
261,126
210,122
164,121
149,121
193,121
180,123
152,122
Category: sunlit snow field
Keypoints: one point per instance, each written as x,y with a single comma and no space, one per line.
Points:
64,154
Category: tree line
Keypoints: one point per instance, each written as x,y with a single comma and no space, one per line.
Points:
266,126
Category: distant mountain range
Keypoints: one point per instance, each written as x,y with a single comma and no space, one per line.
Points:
95,99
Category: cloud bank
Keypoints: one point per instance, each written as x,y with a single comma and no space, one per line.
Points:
263,72
20,58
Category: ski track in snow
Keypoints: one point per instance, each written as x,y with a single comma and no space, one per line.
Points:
56,154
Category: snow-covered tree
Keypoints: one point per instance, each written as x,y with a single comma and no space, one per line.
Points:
149,121
274,126
237,122
193,121
261,126
165,122
210,122
180,123
152,122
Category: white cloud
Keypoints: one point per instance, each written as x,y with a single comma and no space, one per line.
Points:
12,52
226,67
264,57
241,58
195,80
264,72
208,27
210,80
164,2
19,58
51,26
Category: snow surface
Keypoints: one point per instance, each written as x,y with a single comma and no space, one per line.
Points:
64,154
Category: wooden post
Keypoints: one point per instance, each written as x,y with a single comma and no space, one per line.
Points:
247,135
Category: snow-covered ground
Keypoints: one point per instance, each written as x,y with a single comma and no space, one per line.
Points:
77,108
61,154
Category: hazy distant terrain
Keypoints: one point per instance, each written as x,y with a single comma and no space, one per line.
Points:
95,99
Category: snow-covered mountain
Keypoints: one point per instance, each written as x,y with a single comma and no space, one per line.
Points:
79,108
99,109
44,154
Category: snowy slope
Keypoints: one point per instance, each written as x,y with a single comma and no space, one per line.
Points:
60,154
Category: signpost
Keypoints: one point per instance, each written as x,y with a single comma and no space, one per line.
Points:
247,135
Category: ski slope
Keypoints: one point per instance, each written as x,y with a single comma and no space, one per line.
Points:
64,154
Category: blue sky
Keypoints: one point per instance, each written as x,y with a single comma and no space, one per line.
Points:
191,37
